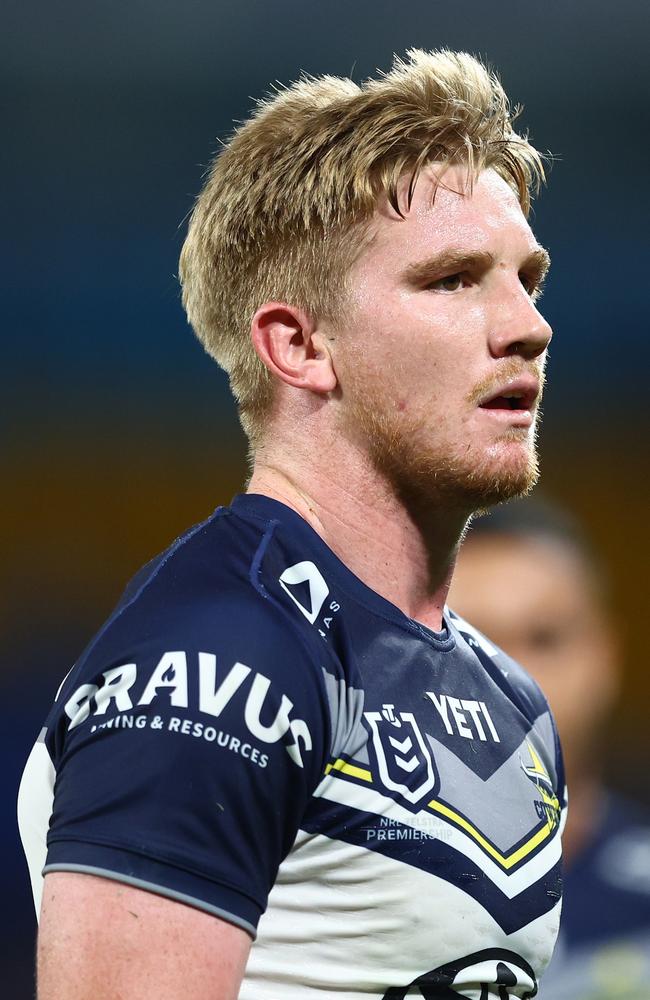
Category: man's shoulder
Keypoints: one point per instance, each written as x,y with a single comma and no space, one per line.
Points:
205,594
197,582
215,554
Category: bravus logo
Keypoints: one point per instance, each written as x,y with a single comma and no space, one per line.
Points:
170,677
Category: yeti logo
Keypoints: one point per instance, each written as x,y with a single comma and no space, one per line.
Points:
306,587
404,762
486,974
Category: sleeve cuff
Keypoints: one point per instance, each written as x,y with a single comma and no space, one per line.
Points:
164,879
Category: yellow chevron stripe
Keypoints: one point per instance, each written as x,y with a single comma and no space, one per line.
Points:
351,769
506,861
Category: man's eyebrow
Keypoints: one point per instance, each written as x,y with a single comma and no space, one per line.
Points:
451,261
537,263
448,262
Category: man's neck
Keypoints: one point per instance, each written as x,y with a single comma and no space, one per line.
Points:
408,560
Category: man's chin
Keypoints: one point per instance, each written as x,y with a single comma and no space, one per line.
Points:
427,477
501,487
469,483
509,471
477,489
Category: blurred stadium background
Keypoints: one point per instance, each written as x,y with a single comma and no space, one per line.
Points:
119,432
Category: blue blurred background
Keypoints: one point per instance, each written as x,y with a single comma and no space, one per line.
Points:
119,432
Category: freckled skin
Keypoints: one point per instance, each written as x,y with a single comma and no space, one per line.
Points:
164,949
420,352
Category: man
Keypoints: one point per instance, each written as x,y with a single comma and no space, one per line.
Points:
526,574
279,725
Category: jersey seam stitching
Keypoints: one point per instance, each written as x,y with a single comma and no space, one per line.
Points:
258,586
156,859
408,626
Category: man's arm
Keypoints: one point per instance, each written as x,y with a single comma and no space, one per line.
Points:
100,940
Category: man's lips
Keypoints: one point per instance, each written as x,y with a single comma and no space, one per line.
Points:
516,394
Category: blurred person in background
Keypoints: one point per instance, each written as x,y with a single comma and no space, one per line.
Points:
528,578
280,734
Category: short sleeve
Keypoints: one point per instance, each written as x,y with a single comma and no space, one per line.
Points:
187,744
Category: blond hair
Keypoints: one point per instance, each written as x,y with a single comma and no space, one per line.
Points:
281,215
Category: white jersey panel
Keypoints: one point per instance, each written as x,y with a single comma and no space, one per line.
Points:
35,799
345,921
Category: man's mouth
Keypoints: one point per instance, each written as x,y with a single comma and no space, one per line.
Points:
512,404
506,403
518,394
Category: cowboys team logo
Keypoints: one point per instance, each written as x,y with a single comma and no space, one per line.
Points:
548,805
404,762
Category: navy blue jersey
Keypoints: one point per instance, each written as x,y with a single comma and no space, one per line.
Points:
603,950
257,733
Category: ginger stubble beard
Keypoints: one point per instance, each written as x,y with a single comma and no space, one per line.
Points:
427,474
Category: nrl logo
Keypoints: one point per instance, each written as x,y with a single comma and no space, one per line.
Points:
405,764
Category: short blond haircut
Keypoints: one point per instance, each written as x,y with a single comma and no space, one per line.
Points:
287,201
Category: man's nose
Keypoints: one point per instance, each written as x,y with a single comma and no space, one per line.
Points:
519,328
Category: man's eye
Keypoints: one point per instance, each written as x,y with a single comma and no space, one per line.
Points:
450,283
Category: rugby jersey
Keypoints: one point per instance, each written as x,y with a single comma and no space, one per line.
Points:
257,733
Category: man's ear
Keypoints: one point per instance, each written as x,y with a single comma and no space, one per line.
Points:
292,347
